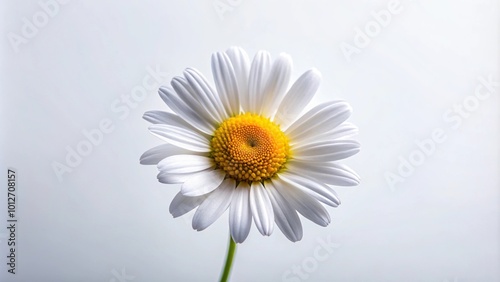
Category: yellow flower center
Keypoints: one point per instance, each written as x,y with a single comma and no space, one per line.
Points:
249,147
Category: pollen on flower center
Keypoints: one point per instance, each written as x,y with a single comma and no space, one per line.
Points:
249,147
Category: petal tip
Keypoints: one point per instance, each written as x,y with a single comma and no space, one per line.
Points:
315,72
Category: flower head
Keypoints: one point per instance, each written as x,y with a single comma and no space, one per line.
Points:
244,146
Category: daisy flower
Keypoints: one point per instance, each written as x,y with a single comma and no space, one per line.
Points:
246,146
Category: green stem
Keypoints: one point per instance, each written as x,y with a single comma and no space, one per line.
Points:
229,259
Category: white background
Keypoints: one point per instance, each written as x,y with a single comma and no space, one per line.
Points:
108,219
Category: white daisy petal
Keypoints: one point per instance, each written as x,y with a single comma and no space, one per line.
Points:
240,216
326,150
181,204
262,210
215,205
342,131
203,183
285,216
181,137
299,95
185,164
179,107
193,99
320,119
156,117
241,65
321,192
165,91
161,117
259,70
154,155
175,178
225,81
276,85
327,172
303,203
205,94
